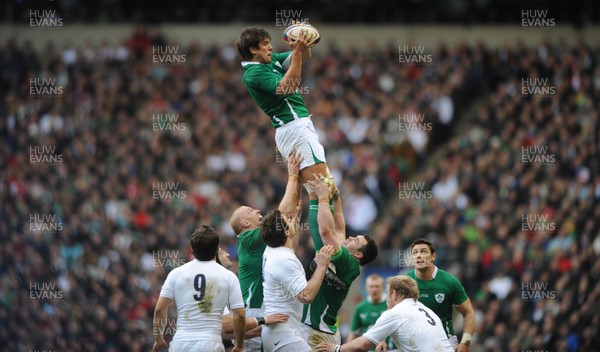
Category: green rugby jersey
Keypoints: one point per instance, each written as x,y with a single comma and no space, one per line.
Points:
250,252
365,315
322,313
262,80
440,294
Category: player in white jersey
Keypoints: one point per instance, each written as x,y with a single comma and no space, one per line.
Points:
201,289
253,324
411,325
285,287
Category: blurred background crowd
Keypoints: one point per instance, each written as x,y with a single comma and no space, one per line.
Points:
355,11
103,256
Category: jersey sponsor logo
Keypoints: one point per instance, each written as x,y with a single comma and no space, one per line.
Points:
439,297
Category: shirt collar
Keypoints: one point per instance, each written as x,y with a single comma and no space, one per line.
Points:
246,63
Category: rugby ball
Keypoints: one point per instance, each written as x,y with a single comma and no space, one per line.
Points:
293,32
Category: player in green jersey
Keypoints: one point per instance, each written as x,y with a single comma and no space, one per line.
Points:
273,79
245,222
368,311
327,228
441,291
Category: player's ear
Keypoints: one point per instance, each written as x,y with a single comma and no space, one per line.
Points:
254,50
357,255
244,223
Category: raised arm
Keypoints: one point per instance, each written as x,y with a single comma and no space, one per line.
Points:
291,79
327,228
338,215
292,190
322,258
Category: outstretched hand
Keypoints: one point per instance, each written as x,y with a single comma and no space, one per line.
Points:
319,186
301,44
325,347
294,161
324,256
276,318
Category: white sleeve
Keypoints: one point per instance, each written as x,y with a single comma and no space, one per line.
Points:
168,288
235,293
292,276
384,327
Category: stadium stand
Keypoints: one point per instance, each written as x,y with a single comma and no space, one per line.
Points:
102,257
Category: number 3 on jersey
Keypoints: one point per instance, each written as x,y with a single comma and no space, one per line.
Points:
430,320
200,286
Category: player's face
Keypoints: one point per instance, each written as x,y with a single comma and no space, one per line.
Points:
354,244
422,257
263,54
375,289
253,216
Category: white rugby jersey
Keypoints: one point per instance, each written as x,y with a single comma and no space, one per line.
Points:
284,279
412,326
201,290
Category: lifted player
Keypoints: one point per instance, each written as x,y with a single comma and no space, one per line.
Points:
272,79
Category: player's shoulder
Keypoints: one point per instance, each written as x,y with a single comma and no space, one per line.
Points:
363,304
446,276
280,56
249,236
251,68
412,274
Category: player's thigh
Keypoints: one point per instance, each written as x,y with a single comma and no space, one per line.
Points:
283,341
302,138
298,346
197,346
306,174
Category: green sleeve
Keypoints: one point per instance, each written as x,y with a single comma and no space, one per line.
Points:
341,259
355,326
261,77
251,241
459,296
280,57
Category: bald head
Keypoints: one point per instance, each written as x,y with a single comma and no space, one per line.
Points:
244,218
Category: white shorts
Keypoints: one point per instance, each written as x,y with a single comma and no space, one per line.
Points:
315,337
302,136
453,341
284,337
196,346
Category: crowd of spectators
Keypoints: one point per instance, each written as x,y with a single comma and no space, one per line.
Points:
124,192
320,11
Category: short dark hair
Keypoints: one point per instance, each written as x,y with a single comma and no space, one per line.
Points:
251,38
272,229
205,243
422,241
369,251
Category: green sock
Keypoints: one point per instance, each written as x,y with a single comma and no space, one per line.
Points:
313,224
